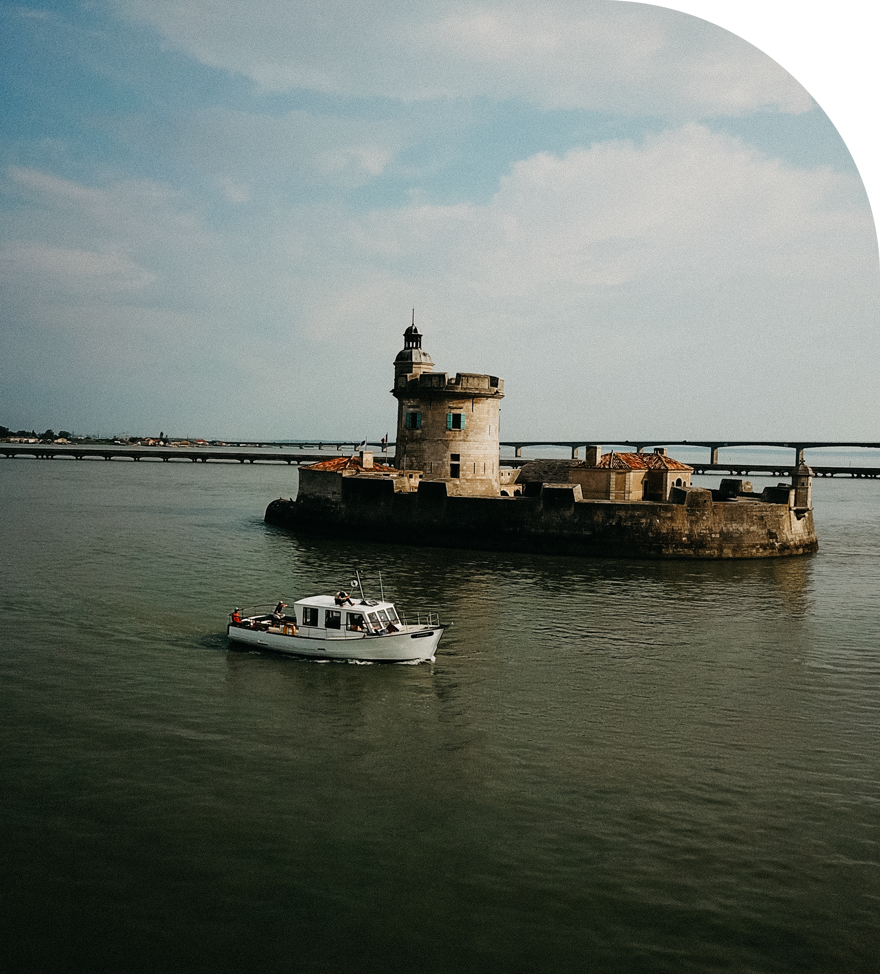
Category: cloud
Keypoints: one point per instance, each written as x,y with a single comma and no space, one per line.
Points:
600,55
686,265
684,209
249,151
71,272
687,271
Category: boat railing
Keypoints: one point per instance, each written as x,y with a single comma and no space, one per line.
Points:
423,619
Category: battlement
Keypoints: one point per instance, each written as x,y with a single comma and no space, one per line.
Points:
440,383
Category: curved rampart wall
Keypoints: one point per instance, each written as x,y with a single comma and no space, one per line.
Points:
555,521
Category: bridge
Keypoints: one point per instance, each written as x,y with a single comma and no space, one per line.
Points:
52,451
799,446
299,452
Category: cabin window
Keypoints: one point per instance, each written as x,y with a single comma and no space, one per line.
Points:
310,616
392,614
355,622
374,620
332,619
414,421
455,421
383,615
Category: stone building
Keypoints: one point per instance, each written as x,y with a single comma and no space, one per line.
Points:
631,476
447,427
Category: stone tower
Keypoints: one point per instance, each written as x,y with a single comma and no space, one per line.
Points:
446,427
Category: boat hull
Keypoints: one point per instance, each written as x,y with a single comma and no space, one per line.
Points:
413,644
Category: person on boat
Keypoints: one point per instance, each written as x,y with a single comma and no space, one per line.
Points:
343,598
278,614
236,616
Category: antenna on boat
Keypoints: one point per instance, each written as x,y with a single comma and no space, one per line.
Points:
381,587
359,584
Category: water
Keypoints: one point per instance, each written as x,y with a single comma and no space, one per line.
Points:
611,766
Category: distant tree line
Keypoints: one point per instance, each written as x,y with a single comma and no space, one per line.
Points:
49,434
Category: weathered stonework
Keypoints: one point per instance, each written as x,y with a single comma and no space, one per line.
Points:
446,489
550,518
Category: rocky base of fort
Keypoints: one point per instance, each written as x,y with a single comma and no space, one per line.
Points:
552,520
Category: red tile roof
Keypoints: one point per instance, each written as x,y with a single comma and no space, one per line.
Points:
348,463
641,461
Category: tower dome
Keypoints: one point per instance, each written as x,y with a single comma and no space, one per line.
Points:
411,359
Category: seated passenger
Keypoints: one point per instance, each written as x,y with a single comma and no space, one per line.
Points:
342,598
236,616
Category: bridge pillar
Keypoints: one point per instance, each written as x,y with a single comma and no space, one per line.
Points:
714,460
798,455
575,450
518,452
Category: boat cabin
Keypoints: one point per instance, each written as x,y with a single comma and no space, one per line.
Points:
325,612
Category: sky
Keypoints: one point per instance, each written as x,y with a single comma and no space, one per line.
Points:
216,218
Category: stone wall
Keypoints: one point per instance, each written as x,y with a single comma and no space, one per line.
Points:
553,520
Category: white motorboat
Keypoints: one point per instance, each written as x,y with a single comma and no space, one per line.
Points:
339,627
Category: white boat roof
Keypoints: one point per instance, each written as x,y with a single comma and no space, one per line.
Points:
329,602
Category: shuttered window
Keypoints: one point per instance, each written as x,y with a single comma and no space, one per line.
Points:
455,421
413,421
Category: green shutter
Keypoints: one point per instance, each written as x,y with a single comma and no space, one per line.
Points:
449,421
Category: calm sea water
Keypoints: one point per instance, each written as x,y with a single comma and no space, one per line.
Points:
611,766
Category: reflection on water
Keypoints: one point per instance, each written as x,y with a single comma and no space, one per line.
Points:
628,766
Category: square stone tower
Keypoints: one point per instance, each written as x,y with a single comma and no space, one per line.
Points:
446,427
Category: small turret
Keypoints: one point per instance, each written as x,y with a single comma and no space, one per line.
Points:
802,481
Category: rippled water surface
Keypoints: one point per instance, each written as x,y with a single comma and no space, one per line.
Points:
610,766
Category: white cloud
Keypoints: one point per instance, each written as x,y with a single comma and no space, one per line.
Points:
687,266
246,152
688,272
686,209
71,272
591,54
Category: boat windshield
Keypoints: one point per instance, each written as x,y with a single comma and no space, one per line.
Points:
383,615
392,614
374,620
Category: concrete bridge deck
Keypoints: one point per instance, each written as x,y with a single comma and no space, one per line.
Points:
799,446
295,454
53,451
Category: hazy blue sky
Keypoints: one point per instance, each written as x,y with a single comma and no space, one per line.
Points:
217,217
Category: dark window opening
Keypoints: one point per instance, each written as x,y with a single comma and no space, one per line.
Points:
332,619
455,421
310,617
